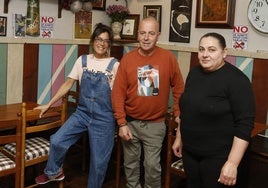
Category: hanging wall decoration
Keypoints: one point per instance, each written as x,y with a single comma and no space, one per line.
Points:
180,21
32,18
99,4
154,11
19,25
83,25
215,14
130,27
3,26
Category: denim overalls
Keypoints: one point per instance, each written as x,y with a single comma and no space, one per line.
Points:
94,114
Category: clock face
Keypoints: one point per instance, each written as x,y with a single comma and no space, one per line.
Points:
258,14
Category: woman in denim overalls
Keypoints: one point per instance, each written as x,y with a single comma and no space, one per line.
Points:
96,73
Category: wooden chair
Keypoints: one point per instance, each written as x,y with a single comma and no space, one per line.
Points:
10,132
35,135
173,164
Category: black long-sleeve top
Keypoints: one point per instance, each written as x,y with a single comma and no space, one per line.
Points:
215,107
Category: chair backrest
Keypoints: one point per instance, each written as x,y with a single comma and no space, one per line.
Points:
72,99
10,132
32,123
170,158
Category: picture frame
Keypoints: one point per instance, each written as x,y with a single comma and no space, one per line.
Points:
98,4
130,27
180,21
154,11
3,26
215,14
83,25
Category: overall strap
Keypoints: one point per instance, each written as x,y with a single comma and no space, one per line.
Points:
111,65
84,61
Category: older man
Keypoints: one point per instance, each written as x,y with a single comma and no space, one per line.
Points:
141,116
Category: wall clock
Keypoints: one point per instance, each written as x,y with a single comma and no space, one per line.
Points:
258,15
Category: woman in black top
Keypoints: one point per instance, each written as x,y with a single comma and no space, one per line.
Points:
217,117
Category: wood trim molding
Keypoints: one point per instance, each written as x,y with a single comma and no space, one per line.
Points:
241,53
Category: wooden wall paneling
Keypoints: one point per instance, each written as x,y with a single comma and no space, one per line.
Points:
14,73
117,52
83,49
30,72
194,60
260,88
3,73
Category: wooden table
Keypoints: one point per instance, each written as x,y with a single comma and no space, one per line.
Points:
9,112
258,158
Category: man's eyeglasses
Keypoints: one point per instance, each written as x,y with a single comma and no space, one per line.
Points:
102,41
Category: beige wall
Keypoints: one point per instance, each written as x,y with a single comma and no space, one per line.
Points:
64,26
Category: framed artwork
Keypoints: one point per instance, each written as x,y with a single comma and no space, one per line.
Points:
130,27
215,14
98,4
83,25
180,21
3,26
154,11
19,29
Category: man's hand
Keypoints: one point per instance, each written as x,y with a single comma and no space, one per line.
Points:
125,133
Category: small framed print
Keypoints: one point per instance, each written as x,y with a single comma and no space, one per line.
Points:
83,25
130,27
154,11
98,4
3,26
215,14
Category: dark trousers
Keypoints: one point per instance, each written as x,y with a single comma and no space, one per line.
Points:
204,172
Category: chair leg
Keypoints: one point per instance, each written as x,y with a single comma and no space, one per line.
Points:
61,184
118,162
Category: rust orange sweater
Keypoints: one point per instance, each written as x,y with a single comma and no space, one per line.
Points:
127,98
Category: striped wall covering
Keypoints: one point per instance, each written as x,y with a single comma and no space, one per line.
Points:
55,63
3,73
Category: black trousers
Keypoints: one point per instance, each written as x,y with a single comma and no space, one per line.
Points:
204,171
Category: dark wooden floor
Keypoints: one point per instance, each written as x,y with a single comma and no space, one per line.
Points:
75,177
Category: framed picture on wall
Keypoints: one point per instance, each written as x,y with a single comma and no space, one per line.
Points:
130,27
3,26
154,11
83,25
215,14
98,4
180,21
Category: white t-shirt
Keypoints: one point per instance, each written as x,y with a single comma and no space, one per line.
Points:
94,65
